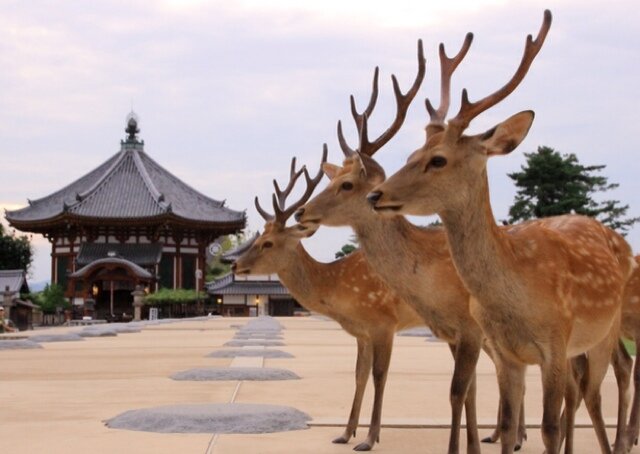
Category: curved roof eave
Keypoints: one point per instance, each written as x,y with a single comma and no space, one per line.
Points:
135,269
63,218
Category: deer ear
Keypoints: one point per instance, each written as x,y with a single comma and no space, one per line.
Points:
505,137
330,170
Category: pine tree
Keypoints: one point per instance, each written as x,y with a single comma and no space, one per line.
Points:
552,184
15,251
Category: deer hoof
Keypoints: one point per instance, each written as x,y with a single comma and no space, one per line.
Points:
363,447
488,440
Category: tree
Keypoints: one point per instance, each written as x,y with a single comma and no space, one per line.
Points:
50,299
348,248
15,251
552,184
216,267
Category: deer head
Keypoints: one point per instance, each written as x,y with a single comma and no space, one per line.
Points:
344,197
268,253
449,170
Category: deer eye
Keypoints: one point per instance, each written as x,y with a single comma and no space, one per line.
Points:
267,244
347,186
437,161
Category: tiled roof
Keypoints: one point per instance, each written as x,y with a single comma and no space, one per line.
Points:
227,285
232,255
140,254
16,280
129,185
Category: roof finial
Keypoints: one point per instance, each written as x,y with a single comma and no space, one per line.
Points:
132,127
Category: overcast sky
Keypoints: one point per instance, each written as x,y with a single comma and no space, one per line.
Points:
227,92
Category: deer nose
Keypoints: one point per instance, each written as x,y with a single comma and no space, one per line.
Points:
373,197
299,214
234,267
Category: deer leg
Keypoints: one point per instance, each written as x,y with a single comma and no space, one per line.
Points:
473,444
634,420
577,369
622,364
598,359
522,427
466,354
511,385
382,348
363,368
554,376
495,435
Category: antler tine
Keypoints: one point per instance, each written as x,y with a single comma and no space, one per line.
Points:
346,149
293,176
372,101
359,117
311,184
447,68
266,216
468,110
402,106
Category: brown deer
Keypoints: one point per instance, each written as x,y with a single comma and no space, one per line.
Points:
396,249
346,290
543,291
631,329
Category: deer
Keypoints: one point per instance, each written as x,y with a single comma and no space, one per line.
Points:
346,290
428,280
543,291
631,330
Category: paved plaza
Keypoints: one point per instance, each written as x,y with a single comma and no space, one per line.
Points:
56,399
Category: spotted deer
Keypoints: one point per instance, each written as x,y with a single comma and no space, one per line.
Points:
415,262
543,291
346,290
631,329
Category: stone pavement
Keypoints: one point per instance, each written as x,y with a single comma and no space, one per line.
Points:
56,399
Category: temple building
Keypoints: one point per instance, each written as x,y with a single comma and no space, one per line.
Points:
127,223
251,295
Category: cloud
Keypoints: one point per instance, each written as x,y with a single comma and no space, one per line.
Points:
227,92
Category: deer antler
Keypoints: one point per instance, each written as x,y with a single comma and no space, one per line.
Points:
402,106
468,110
279,197
447,68
293,177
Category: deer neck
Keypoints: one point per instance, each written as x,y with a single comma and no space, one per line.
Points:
394,246
304,277
480,250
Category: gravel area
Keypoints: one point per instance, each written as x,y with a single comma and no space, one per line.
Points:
19,344
212,418
235,373
241,352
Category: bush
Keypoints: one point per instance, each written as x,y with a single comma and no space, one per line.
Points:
169,296
50,298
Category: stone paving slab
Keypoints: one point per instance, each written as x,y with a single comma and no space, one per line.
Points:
55,399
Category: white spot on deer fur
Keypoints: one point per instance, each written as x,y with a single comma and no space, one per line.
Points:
634,299
372,296
356,289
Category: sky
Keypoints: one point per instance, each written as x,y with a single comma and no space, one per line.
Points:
227,92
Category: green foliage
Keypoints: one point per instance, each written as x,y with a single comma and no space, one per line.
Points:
348,248
15,251
50,299
630,346
166,296
551,184
345,250
216,268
